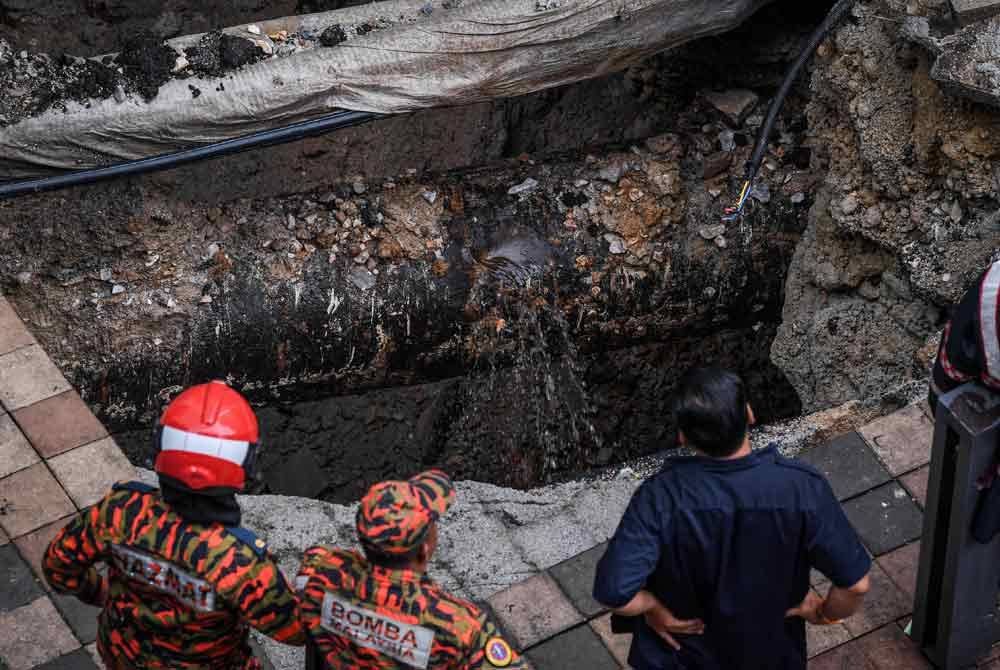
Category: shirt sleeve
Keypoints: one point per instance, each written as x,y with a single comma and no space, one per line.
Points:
491,650
69,561
834,546
634,551
257,587
308,567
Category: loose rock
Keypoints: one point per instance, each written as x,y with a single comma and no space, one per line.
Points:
711,232
850,204
734,105
526,186
362,278
333,36
616,244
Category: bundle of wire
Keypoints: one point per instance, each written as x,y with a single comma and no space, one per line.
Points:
760,148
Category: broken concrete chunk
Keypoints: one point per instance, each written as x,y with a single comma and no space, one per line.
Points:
362,278
333,36
970,11
612,173
712,232
716,164
734,105
761,192
966,63
526,186
616,244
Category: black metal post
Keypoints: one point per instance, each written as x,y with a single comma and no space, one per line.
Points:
955,621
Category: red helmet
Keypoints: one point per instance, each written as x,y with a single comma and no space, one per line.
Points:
207,438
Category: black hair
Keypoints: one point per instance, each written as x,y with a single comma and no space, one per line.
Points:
711,410
391,561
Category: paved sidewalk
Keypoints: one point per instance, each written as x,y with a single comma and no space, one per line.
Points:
56,460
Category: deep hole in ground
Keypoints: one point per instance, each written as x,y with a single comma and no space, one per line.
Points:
507,375
507,290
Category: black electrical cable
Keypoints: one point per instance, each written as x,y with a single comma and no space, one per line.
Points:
763,138
296,131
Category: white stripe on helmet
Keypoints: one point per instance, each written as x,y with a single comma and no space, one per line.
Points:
988,320
173,439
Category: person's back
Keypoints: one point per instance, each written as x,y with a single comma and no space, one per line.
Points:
179,594
382,611
372,618
722,548
185,582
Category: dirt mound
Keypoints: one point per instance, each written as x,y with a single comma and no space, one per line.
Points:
33,83
148,63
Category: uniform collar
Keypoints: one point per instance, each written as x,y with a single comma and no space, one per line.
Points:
400,576
751,460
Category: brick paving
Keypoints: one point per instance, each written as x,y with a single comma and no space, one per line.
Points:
55,461
51,470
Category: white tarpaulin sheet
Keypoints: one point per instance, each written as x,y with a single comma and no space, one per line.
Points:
474,51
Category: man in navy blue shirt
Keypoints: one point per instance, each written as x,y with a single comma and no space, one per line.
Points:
713,554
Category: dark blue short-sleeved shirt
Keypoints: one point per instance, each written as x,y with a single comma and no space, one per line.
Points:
730,542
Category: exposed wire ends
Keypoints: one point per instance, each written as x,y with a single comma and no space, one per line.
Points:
763,137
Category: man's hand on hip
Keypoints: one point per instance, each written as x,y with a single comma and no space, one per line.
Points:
810,609
663,622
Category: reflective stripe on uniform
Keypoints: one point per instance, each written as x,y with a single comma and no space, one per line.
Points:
989,303
234,451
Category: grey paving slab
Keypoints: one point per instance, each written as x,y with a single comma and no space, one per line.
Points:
577,648
885,603
534,610
15,450
95,655
885,518
13,334
28,376
824,638
77,660
18,586
59,423
901,565
34,545
576,578
849,464
885,649
82,618
34,634
30,499
88,472
902,440
618,645
916,483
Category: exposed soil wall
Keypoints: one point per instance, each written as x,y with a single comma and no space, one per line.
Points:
394,307
905,219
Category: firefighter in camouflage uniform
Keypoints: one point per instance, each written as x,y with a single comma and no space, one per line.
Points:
381,610
184,581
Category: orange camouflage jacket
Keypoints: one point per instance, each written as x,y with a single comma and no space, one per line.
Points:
364,617
179,595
